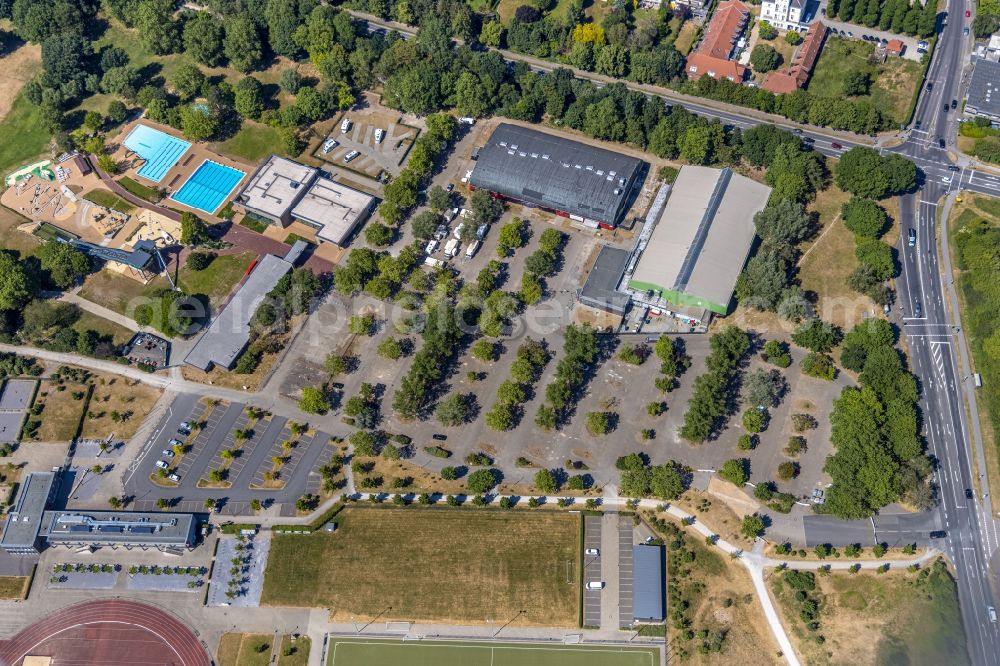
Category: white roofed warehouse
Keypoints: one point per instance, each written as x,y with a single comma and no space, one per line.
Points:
701,240
591,185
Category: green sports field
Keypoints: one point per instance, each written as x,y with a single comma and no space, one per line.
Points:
379,652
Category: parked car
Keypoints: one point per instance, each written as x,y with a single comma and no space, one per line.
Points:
967,13
592,551
481,231
470,251
595,585
167,453
439,437
451,247
433,263
175,442
457,233
965,31
329,145
174,478
162,464
351,155
465,120
451,187
432,246
184,428
441,231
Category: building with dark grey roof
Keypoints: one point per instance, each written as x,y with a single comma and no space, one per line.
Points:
24,521
984,90
588,184
601,289
647,583
229,334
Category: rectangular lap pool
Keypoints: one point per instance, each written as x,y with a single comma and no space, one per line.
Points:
209,186
160,151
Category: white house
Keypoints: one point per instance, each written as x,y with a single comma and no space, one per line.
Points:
784,14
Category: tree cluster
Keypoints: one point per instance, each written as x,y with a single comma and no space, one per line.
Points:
580,351
898,16
640,479
506,412
713,391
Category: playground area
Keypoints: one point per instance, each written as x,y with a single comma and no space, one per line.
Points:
357,651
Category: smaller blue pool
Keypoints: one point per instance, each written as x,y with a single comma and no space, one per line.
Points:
159,150
209,186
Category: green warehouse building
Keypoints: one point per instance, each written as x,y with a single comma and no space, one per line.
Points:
700,242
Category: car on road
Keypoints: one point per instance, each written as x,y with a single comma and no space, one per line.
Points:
946,180
992,612
930,85
912,240
836,146
968,493
954,104
916,125
174,478
592,551
595,585
917,310
938,534
945,107
953,168
965,31
167,453
797,130
439,437
940,142
162,464
967,13
808,139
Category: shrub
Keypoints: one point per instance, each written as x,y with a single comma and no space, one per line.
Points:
747,442
753,526
788,471
735,471
599,423
796,445
754,420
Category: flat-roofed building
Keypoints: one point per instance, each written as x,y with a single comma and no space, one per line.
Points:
228,335
984,90
648,590
701,241
85,528
275,188
24,521
334,210
601,289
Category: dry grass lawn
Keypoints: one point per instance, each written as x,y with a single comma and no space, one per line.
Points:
62,412
440,565
748,638
11,238
115,394
119,334
238,650
869,618
14,587
300,657
685,40
18,67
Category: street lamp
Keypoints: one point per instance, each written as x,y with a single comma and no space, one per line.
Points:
507,623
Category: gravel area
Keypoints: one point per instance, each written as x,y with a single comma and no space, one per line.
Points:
250,577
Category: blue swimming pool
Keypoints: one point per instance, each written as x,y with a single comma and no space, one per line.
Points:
209,186
160,151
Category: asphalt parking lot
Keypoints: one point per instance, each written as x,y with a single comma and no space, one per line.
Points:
375,157
591,571
625,570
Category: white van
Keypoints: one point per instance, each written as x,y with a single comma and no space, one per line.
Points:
451,247
450,215
329,145
351,155
346,125
466,120
595,585
379,135
435,263
470,251
432,246
457,233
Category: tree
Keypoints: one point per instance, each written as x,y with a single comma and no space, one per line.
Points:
599,423
117,111
753,526
546,481
483,480
187,81
864,217
735,471
64,264
788,471
425,224
877,256
764,388
203,37
856,83
485,209
764,58
667,481
242,44
767,31
438,199
156,27
484,350
362,324
199,261
390,348
754,420
785,223
865,173
249,98
198,122
194,231
314,401
793,37
817,335
379,235
456,409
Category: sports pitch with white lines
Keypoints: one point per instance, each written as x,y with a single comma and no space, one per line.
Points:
388,652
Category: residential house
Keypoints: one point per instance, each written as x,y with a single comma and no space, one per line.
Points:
784,14
713,55
803,61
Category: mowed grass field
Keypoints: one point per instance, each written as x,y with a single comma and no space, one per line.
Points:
435,565
370,652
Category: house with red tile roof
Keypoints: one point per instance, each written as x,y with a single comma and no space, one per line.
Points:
714,52
895,47
803,61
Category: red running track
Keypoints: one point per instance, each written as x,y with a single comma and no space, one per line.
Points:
113,632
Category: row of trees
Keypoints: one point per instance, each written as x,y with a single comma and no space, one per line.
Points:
899,16
640,479
879,455
422,383
505,414
580,352
714,391
401,194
